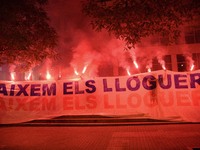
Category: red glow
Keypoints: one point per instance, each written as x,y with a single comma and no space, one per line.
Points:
136,65
48,76
12,75
163,66
28,77
76,72
149,69
84,69
128,72
192,67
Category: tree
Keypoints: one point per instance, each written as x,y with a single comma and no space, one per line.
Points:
132,20
26,38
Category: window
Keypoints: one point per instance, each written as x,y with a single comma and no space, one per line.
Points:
181,62
197,35
167,61
192,35
189,37
196,58
156,65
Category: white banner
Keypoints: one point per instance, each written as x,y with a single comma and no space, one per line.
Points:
163,95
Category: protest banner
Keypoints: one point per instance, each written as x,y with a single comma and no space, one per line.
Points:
160,94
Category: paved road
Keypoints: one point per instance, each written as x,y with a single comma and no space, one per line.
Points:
127,137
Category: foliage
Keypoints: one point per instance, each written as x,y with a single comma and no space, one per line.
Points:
26,37
131,20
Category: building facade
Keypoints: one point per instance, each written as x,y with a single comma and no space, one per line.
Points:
182,56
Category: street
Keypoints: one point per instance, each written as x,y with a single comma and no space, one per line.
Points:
126,137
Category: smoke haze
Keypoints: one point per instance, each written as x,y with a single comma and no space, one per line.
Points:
79,46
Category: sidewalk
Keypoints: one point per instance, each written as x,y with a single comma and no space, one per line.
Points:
126,137
100,133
